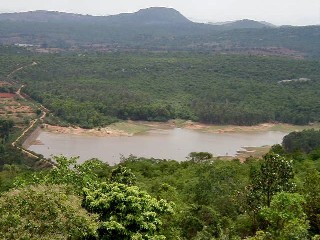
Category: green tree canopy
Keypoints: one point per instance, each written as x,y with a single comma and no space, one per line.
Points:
5,128
123,175
275,175
286,217
304,141
44,212
125,212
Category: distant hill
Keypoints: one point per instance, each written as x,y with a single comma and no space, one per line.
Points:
149,16
155,28
242,24
43,16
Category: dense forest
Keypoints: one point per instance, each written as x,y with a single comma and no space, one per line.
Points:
306,141
276,197
96,89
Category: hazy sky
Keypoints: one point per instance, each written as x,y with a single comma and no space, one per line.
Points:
280,12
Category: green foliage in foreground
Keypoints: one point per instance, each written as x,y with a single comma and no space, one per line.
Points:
226,200
125,212
119,211
44,212
271,198
98,89
275,175
286,217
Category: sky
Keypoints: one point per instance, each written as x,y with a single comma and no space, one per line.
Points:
278,12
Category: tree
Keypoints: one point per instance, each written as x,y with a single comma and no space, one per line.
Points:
305,141
123,175
286,217
200,220
44,212
5,128
199,156
315,154
68,172
273,176
311,193
125,212
278,149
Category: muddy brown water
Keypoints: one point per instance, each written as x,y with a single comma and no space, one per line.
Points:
174,144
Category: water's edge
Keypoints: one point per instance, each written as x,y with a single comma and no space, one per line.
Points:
30,140
173,144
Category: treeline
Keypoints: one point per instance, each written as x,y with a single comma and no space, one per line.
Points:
307,141
202,198
96,89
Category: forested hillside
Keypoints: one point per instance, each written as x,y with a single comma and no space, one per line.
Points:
96,89
154,29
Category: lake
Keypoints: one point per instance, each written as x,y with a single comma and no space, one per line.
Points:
174,144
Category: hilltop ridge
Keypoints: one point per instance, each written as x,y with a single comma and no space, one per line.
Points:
244,23
155,28
153,15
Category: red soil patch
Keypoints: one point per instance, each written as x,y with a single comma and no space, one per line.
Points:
7,95
20,109
4,84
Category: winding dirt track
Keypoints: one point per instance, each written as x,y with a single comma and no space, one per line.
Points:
33,122
20,68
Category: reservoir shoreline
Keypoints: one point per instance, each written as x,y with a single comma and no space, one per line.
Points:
131,128
175,138
32,138
173,144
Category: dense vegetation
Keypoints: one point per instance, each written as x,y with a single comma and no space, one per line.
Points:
12,161
273,198
306,141
96,89
5,129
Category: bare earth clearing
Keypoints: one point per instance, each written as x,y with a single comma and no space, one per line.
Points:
100,132
130,128
14,108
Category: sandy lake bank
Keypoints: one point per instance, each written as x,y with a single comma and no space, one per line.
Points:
138,128
130,128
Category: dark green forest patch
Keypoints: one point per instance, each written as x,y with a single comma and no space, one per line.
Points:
94,90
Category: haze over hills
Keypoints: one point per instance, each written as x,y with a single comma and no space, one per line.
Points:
154,15
155,29
244,23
